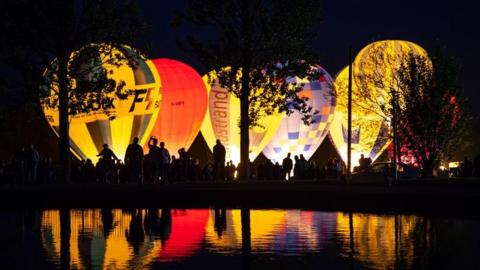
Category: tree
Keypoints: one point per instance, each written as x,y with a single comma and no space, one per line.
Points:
430,109
40,31
262,43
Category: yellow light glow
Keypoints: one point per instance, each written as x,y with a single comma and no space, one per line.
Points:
117,126
374,238
263,225
88,245
369,129
454,164
375,67
222,119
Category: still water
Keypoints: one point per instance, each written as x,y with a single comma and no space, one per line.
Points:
234,239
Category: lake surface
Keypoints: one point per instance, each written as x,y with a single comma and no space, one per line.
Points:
233,239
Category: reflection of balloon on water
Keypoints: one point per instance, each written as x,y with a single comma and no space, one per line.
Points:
264,225
183,106
293,136
375,238
222,119
187,234
369,130
309,230
89,247
114,120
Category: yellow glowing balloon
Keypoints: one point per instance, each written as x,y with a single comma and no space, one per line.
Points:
222,119
375,67
118,121
370,131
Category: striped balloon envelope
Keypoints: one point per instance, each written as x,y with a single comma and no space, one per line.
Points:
113,120
222,122
295,137
183,106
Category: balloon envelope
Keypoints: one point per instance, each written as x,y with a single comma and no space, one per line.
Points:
183,106
123,119
376,66
222,119
370,132
293,136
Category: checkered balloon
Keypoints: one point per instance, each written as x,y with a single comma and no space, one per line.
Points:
293,136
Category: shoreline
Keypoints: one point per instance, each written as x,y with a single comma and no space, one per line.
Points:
446,198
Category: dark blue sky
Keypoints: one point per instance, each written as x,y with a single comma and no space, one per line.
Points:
427,23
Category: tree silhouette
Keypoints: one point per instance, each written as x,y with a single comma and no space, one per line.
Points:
39,31
257,45
430,108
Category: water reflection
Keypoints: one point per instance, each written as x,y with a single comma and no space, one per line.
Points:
378,240
152,238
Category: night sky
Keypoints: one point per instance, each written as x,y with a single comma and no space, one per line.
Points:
428,23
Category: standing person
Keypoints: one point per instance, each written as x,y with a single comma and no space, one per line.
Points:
32,159
230,171
219,154
133,161
287,165
164,163
108,158
19,162
338,168
155,159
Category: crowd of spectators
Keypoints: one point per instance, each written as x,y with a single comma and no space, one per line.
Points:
159,167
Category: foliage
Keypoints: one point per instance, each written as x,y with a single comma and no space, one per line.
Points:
430,108
90,86
256,46
268,38
41,30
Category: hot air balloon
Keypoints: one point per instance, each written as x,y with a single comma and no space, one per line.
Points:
293,136
370,131
222,118
117,119
376,65
183,106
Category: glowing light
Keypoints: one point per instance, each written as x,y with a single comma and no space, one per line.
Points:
453,164
374,238
222,119
293,136
183,106
125,119
375,67
187,232
370,131
89,246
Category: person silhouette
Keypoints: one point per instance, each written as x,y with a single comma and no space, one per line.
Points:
287,165
108,158
32,159
164,163
134,160
155,159
219,154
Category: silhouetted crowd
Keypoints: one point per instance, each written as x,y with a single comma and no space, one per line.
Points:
468,168
27,166
159,167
